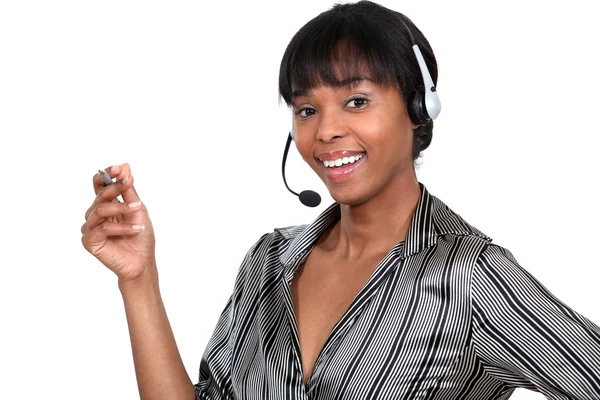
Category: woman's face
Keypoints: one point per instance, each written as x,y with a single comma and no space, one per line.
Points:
362,126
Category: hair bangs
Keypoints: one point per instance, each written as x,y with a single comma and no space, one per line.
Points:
333,50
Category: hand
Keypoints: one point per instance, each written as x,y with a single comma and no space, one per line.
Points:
119,234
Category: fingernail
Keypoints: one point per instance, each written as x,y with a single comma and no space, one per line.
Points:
135,203
124,181
114,168
137,227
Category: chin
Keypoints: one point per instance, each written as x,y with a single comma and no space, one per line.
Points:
348,198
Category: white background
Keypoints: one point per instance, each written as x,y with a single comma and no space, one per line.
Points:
187,94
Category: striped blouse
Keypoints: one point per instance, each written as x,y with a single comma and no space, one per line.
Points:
445,315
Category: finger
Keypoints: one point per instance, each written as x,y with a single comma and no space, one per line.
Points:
122,173
111,171
107,194
107,210
129,194
95,239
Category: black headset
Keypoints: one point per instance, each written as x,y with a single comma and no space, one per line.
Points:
423,106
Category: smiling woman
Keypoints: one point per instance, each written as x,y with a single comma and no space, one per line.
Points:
329,52
364,120
388,293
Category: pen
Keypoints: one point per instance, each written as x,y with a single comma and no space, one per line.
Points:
107,180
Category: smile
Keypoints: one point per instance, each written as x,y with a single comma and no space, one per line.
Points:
343,168
342,161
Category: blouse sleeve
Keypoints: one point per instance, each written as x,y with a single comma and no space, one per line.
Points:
525,337
214,378
214,381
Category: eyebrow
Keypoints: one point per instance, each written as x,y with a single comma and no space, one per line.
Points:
348,82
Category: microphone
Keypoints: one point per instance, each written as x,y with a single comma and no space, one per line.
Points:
307,197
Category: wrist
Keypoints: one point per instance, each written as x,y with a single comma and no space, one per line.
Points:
148,278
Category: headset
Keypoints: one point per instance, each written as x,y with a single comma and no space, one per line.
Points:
423,106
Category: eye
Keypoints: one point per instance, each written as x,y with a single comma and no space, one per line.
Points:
305,112
358,102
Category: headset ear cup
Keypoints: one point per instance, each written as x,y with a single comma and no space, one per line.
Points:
416,109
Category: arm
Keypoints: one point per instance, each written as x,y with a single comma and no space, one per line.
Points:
526,337
158,366
121,236
159,369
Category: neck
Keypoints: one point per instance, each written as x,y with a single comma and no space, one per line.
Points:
378,224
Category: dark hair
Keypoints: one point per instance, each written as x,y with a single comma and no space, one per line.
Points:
349,38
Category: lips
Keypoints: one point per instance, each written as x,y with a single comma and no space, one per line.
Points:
343,171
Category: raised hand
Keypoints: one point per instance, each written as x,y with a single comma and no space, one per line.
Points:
119,234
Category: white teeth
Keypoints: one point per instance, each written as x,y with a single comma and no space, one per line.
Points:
341,161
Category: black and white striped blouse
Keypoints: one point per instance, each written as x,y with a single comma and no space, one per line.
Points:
445,315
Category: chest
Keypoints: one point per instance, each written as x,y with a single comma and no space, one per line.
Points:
322,291
407,329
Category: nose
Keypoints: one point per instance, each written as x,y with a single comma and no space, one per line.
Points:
331,126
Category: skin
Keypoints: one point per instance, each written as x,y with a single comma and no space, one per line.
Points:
119,234
377,201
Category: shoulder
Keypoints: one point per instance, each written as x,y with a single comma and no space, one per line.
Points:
262,262
496,260
290,232
277,239
452,234
265,253
492,264
446,221
499,278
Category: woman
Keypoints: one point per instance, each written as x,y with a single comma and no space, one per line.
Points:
388,293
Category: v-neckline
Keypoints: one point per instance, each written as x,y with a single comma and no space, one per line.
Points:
352,312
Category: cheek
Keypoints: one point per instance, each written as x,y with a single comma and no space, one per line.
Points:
403,147
304,147
390,146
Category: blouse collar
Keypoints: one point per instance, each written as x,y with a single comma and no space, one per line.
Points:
432,219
